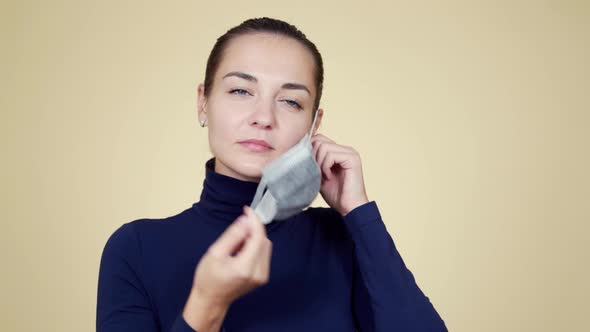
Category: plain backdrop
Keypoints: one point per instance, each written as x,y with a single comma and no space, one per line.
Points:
471,117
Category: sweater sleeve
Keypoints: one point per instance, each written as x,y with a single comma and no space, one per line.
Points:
384,288
123,303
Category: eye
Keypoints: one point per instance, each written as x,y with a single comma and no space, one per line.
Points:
241,92
293,103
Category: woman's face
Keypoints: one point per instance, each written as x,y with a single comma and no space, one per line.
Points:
261,103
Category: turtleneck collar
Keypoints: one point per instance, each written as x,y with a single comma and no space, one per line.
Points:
223,197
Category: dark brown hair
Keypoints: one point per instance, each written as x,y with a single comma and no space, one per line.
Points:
263,25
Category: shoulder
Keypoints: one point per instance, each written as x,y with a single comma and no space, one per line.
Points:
328,220
128,239
358,219
367,211
325,215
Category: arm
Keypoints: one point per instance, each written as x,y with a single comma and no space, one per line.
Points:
385,292
237,262
198,312
123,303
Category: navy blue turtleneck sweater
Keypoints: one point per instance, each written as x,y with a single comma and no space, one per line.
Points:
328,272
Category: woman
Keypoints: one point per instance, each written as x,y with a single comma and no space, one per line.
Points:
324,269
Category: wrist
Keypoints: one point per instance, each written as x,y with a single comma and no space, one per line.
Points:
202,314
348,209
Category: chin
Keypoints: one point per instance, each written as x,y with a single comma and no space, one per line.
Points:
246,167
251,165
251,171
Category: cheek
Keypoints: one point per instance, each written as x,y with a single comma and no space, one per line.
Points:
222,132
228,115
292,129
291,139
225,130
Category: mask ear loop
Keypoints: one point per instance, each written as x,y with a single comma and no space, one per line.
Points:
264,204
315,116
267,209
259,191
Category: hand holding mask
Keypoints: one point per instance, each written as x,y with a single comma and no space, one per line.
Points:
289,183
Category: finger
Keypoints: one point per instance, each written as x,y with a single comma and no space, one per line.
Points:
318,139
258,228
251,214
316,143
325,148
232,238
321,137
255,243
329,143
332,158
259,260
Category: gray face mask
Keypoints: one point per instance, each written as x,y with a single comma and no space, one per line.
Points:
289,183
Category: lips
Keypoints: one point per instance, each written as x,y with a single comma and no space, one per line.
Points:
256,145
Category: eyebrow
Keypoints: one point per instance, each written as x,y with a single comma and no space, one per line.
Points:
248,77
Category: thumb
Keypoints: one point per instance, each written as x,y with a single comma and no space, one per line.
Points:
232,238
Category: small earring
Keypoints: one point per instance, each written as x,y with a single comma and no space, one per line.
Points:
203,123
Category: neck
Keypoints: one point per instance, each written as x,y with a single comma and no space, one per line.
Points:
222,169
223,196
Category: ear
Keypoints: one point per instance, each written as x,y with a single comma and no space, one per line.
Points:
318,121
201,103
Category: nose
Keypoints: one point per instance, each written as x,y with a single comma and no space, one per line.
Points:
264,115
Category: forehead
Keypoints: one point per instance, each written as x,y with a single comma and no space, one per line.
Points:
269,57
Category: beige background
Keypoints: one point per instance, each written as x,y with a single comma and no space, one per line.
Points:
472,119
